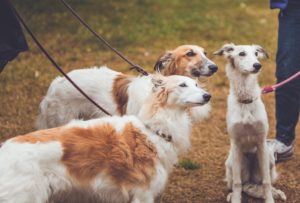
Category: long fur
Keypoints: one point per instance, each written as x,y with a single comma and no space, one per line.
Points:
250,166
112,159
64,103
118,93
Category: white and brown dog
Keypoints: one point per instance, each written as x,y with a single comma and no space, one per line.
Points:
188,60
111,159
118,93
250,166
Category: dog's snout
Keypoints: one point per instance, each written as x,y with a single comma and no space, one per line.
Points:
257,66
195,72
213,68
206,97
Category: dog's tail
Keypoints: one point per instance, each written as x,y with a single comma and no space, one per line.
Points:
257,191
42,119
48,106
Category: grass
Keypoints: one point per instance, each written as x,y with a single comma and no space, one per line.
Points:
188,164
143,30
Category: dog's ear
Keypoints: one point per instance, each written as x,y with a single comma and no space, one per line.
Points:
157,81
262,53
163,61
159,88
225,50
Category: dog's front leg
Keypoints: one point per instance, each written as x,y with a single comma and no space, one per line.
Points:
158,198
237,156
264,165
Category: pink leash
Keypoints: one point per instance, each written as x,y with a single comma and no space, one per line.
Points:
272,88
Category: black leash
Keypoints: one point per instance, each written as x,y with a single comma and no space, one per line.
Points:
52,60
134,66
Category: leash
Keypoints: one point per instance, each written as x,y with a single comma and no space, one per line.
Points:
101,39
272,88
53,61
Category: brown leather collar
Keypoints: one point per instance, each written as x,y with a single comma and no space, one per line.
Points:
166,137
245,101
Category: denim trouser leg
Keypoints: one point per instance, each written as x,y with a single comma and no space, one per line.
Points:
288,63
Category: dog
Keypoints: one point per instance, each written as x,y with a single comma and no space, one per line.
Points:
250,166
110,159
118,93
188,60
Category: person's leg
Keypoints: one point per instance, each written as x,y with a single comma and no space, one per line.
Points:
288,63
12,40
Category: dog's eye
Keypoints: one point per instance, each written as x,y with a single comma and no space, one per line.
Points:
191,53
256,53
183,85
242,54
196,85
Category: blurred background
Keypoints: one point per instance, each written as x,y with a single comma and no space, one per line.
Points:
143,30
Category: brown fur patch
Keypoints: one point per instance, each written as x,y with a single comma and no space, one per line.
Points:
231,59
162,96
159,100
127,158
119,91
48,135
170,69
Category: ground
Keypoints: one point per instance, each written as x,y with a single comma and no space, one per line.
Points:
144,30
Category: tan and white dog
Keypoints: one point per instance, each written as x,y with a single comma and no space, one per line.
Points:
118,93
111,159
188,60
250,166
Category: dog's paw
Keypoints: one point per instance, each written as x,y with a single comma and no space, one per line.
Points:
234,197
229,196
278,194
271,200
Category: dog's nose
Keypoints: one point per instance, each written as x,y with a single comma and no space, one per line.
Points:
257,66
206,97
213,68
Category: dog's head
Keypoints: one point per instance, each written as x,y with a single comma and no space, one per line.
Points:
178,91
188,60
243,58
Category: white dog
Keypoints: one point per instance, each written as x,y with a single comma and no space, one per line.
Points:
118,93
111,159
250,163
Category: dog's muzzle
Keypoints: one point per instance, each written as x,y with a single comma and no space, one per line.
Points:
196,72
204,70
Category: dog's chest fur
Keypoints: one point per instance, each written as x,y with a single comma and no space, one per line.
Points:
247,123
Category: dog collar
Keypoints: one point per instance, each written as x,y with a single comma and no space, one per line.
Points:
166,137
245,101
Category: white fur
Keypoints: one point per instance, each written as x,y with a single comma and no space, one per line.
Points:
250,162
34,173
64,103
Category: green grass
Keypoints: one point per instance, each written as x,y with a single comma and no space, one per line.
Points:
188,164
146,23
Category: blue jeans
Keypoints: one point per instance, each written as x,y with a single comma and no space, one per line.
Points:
288,63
